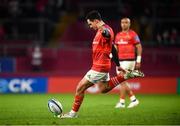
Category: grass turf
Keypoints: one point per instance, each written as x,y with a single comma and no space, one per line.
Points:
31,109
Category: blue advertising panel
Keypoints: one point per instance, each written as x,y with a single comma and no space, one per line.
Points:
6,65
23,85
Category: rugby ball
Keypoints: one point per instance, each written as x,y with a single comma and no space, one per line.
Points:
55,106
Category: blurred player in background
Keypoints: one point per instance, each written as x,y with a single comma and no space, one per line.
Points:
129,51
99,73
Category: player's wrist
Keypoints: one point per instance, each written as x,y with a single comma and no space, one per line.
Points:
138,59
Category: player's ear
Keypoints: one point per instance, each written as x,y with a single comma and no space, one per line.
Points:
96,21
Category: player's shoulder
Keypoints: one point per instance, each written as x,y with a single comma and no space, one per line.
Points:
119,33
108,27
132,32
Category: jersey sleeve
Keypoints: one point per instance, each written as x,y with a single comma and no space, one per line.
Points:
136,39
116,39
115,56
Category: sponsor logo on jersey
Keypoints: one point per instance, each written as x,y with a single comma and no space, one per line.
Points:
122,42
95,42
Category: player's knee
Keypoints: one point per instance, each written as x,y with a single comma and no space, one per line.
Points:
104,91
79,90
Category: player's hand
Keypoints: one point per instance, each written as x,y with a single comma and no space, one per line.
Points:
137,66
105,32
120,70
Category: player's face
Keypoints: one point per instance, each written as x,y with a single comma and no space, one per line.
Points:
125,24
92,24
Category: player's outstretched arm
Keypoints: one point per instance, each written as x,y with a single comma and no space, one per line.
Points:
139,53
115,56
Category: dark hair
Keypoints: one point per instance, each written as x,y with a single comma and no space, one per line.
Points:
92,15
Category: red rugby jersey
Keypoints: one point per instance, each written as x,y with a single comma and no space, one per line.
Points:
101,49
126,42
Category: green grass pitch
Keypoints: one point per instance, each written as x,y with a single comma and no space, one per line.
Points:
98,109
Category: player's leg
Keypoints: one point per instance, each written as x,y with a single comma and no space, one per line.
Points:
122,87
89,79
134,101
78,98
79,95
125,86
121,103
107,86
123,90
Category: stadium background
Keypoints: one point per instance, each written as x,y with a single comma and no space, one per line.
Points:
58,29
